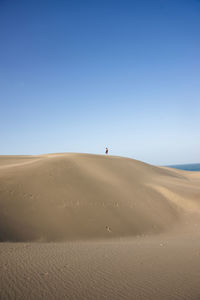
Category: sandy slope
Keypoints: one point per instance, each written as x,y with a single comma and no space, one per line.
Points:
78,196
119,229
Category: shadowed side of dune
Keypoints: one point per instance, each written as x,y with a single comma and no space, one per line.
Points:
80,196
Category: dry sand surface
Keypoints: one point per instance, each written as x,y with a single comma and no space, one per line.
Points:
81,226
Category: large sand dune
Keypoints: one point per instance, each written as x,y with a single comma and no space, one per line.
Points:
119,229
78,196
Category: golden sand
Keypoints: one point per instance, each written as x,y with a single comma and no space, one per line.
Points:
97,227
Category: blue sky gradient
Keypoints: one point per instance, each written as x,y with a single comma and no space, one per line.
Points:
77,76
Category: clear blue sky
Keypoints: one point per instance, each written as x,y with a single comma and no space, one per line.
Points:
77,76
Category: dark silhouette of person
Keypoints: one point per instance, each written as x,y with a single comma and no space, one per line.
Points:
106,151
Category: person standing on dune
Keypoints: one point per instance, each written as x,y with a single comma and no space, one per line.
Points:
106,151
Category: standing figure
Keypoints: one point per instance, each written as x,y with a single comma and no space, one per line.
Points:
106,151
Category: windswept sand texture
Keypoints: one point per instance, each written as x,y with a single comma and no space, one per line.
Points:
97,227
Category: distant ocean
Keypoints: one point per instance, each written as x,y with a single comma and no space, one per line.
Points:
188,167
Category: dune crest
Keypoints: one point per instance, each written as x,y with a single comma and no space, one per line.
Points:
83,196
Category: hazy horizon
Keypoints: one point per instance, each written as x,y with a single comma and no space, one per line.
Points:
77,76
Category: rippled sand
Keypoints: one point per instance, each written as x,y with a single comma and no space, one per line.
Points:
142,268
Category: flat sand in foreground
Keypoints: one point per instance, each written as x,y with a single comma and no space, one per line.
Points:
80,226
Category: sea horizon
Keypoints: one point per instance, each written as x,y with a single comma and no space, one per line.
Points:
186,167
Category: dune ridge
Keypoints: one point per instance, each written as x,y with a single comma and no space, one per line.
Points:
60,197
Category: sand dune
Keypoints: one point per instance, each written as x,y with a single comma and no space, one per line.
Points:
103,227
78,196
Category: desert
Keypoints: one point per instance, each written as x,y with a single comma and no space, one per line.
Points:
85,226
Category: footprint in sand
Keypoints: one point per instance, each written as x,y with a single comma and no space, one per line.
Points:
108,229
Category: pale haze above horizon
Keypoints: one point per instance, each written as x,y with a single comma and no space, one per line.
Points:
79,76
